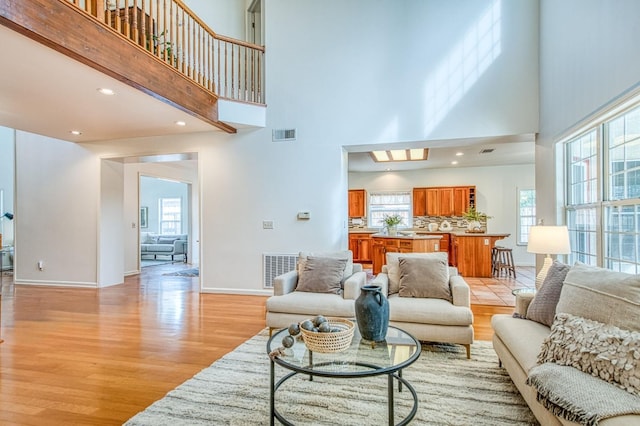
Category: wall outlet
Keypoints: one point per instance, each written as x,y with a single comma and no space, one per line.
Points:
486,241
267,224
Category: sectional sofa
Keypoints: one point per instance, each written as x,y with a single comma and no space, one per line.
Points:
571,354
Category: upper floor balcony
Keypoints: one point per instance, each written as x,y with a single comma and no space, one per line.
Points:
159,47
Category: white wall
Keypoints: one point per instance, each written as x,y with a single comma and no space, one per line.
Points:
57,200
224,17
111,237
7,171
151,190
496,193
366,80
587,61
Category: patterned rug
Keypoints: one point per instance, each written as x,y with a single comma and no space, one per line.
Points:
452,390
192,272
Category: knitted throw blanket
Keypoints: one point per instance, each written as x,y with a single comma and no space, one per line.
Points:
579,397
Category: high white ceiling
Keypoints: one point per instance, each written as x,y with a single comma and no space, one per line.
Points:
47,93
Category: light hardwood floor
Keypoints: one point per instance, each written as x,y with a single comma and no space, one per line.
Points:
97,357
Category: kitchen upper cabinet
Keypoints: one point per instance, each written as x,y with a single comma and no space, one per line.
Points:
419,201
357,203
463,198
443,201
439,201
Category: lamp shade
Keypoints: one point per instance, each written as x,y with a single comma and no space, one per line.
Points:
549,240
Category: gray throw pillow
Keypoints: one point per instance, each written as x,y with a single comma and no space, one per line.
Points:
424,278
321,275
542,308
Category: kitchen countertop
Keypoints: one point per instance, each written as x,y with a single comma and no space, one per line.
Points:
420,233
480,234
407,237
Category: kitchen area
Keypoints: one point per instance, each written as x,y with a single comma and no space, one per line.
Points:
438,224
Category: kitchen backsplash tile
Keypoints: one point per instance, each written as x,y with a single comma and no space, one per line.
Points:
458,223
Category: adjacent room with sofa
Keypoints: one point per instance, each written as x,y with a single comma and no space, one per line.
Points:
264,142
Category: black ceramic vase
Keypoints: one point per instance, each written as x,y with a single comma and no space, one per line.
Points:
372,313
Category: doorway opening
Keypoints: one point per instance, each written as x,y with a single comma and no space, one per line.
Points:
165,212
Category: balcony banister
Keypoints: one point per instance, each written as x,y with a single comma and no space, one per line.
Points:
172,32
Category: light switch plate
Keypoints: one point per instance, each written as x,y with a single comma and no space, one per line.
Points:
267,224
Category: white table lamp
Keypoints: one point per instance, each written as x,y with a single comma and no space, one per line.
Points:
548,240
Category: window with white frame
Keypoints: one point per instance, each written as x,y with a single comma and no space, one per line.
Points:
170,215
602,175
526,214
390,203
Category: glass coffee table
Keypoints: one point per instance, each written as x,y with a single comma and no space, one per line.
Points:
362,359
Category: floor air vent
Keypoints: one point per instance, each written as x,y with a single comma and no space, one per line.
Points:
276,264
280,135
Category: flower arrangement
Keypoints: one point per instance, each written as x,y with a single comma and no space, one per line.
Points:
392,220
473,215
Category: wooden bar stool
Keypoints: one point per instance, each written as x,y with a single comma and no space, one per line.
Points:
502,261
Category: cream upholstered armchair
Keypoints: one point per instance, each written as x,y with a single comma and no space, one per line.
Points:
427,298
323,283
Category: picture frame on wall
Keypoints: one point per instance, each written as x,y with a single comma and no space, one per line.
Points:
144,217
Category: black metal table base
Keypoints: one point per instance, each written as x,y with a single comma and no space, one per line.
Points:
390,393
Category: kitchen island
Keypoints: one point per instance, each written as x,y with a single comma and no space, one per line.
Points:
471,252
382,243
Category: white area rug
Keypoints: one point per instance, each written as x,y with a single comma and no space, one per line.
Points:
452,390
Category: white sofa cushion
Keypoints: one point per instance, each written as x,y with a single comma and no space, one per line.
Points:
311,304
523,338
428,311
601,295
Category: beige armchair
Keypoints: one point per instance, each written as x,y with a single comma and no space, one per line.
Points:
429,319
289,304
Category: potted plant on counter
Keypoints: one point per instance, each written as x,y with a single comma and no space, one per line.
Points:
474,217
392,222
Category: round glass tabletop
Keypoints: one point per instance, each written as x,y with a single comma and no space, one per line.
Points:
362,358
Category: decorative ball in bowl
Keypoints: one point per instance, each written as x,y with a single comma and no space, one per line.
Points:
327,335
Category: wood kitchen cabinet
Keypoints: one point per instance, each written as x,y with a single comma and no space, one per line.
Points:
471,253
439,201
419,201
357,203
443,201
445,243
382,245
360,246
463,198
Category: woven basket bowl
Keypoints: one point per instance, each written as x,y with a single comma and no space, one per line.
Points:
337,341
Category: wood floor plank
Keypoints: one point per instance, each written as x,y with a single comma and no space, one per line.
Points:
97,357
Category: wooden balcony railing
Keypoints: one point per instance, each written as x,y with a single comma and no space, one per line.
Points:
169,30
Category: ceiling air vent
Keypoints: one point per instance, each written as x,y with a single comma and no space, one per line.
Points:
486,151
280,135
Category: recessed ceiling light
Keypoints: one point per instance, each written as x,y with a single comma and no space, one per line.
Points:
106,91
181,123
454,162
458,154
419,154
399,155
76,132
